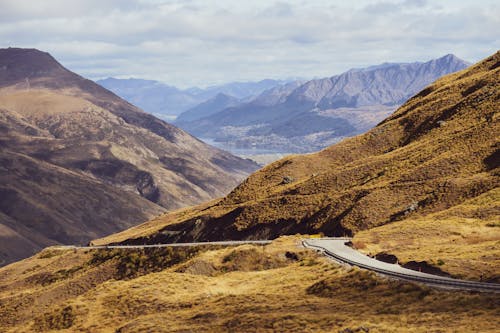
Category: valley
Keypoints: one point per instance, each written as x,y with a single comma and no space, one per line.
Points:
421,187
283,118
304,117
264,166
429,157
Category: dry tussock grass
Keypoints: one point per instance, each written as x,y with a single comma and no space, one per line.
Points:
463,240
278,287
40,103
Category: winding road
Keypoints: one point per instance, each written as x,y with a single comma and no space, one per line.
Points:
337,249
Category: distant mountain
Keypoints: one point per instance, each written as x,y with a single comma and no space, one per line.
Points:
387,84
215,104
268,97
153,97
241,89
77,161
277,94
320,112
167,102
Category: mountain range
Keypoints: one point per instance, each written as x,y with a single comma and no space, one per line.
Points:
305,117
78,162
167,102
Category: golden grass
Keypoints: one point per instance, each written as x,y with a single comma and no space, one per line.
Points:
40,103
279,287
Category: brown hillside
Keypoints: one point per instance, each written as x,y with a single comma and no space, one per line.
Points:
274,288
78,162
435,152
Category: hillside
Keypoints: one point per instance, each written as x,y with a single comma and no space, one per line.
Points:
276,288
434,153
78,162
307,117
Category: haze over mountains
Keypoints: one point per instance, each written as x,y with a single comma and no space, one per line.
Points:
167,102
287,116
309,116
215,104
78,162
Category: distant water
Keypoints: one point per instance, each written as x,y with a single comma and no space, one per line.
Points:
167,117
242,151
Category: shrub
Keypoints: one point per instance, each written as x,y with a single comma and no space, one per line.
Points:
58,320
132,263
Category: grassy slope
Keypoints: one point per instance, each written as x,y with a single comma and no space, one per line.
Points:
432,155
463,240
245,288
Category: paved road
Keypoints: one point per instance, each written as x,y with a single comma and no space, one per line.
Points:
223,243
336,249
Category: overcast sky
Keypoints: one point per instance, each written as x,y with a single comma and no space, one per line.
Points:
187,43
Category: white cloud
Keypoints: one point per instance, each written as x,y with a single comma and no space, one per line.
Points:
204,42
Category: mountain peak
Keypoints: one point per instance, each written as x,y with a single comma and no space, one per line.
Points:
108,163
17,55
450,56
223,97
213,105
452,59
19,63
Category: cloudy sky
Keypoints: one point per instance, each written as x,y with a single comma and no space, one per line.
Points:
204,42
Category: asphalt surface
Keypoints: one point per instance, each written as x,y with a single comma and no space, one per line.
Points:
337,249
